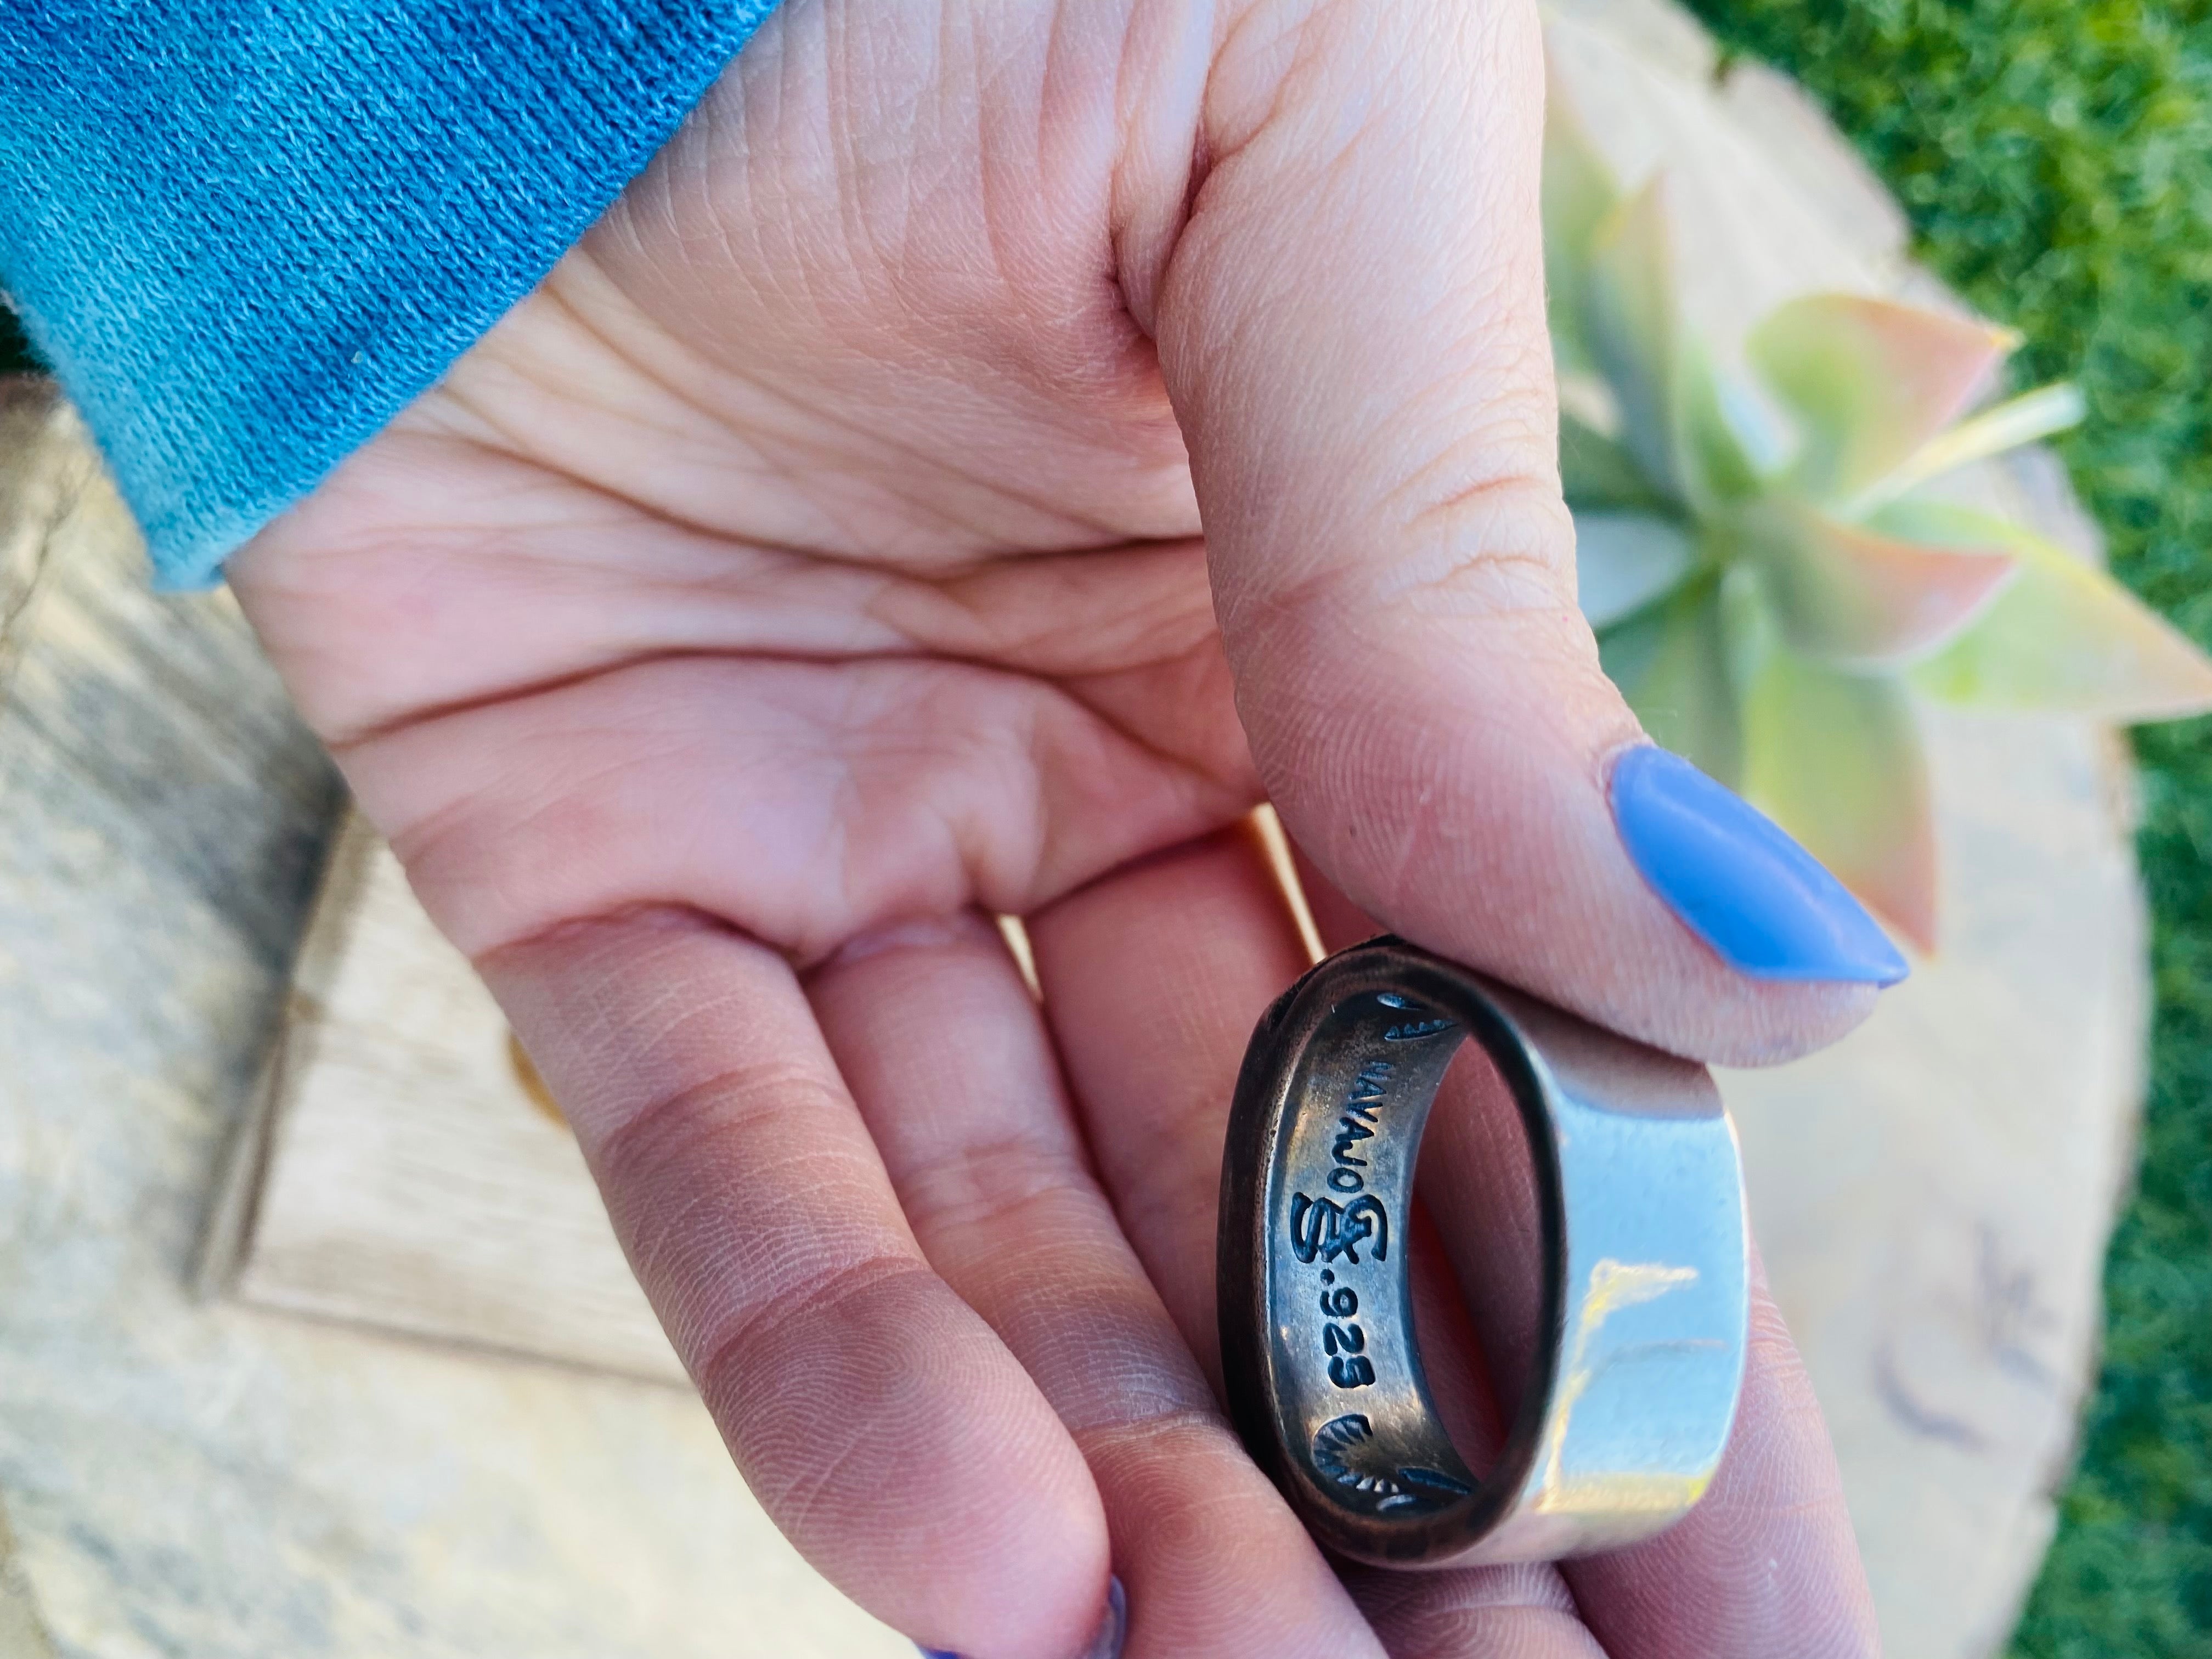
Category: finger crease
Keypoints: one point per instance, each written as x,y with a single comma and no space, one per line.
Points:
824,1295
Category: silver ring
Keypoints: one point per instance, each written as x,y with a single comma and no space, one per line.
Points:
1632,1393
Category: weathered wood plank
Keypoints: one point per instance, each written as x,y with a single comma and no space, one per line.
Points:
415,1182
183,1476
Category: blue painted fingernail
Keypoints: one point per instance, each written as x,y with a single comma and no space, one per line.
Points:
937,1653
1764,904
1114,1626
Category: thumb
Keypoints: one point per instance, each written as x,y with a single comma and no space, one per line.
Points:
1351,323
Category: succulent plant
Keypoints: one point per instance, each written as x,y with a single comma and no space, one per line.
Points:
1773,582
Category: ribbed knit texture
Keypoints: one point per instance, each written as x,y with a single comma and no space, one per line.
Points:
246,233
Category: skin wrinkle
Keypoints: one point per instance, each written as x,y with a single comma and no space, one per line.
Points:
1003,91
1161,1160
1188,1527
423,844
566,309
1536,450
989,1183
815,409
730,1099
982,615
824,1299
810,1498
1006,867
1177,1391
931,622
639,989
1257,60
644,942
681,921
492,550
1215,759
1614,982
1528,501
616,658
783,1263
1150,1433
343,741
764,451
1135,193
1086,123
1137,1387
922,934
1101,1345
690,1241
1323,599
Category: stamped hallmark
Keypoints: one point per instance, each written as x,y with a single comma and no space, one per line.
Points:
1344,1449
1355,1125
1324,1229
1335,1227
1412,1030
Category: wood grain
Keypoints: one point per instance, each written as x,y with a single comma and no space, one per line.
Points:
186,1475
412,1180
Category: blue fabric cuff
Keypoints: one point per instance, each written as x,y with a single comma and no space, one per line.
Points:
246,233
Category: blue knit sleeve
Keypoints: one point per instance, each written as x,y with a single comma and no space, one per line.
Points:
245,233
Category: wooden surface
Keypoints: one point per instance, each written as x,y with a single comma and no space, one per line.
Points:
414,1180
182,1477
219,1479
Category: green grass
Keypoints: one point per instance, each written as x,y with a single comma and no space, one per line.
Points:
2056,158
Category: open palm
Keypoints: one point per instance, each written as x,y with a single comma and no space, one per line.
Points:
814,565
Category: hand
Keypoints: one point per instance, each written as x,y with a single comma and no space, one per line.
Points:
813,565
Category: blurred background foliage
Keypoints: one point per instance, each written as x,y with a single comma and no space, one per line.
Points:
2056,159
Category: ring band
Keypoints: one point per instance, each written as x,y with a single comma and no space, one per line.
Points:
1631,1391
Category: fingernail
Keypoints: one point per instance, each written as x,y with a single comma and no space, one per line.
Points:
1766,905
1107,1644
